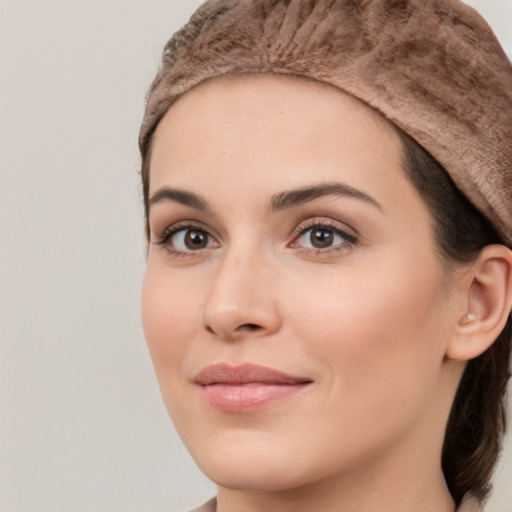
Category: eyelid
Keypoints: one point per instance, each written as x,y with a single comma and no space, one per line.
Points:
324,222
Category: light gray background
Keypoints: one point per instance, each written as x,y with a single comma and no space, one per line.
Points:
82,426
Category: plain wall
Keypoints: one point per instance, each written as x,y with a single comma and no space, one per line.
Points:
82,425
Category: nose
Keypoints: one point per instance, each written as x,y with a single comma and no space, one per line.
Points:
243,299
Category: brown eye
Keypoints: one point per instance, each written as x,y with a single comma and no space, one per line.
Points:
195,239
321,238
189,239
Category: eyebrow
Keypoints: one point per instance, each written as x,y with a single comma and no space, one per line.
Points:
179,196
279,202
296,197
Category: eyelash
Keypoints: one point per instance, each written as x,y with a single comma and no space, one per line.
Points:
349,240
301,230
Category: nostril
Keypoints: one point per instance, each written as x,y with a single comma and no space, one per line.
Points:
238,330
250,327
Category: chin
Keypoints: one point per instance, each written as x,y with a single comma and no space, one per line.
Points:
245,460
264,476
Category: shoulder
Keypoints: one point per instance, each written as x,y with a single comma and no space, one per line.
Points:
469,504
211,506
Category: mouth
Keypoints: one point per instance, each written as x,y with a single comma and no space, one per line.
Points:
247,387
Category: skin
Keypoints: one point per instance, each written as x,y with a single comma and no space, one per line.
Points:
370,319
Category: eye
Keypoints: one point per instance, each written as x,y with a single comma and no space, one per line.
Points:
191,239
323,237
183,240
320,238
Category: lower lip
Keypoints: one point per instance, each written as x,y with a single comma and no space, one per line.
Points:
250,397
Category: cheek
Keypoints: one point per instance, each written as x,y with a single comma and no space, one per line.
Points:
377,328
170,315
375,334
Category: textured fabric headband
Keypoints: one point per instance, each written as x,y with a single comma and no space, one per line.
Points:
432,67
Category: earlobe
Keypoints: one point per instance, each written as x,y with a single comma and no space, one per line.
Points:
488,302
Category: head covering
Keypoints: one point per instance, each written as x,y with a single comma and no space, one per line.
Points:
432,67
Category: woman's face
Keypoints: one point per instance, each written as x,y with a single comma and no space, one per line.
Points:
293,303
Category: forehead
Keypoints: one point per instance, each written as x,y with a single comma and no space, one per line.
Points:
252,94
271,121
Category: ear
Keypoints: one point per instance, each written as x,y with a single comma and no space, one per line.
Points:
487,293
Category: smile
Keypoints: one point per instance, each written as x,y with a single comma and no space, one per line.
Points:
247,387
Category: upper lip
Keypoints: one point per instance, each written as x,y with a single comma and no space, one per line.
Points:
222,373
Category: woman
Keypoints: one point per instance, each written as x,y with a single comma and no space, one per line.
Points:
329,281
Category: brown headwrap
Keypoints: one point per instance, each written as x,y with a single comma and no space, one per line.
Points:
432,67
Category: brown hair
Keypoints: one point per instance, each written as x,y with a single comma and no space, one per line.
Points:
477,420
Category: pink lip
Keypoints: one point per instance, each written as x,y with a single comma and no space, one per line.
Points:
247,387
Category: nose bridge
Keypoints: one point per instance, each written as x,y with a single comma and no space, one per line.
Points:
241,299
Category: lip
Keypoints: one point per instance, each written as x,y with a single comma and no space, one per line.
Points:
247,387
